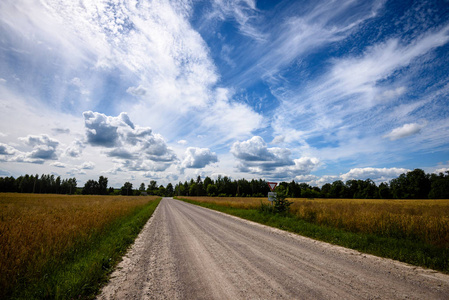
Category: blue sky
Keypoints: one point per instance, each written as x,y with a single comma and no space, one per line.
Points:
311,91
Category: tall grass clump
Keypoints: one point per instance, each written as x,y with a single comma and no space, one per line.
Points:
60,246
416,220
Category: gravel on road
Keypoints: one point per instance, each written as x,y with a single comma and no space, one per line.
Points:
189,252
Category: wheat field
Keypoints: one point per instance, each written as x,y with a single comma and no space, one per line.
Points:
36,228
420,220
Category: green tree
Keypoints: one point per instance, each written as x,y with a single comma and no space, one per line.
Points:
127,189
90,187
384,191
212,190
102,185
169,190
439,186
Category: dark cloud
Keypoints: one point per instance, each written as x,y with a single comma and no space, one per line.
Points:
120,153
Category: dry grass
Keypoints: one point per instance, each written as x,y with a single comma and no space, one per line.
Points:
420,220
36,228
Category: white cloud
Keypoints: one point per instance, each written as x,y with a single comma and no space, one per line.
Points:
279,139
6,150
441,170
44,147
376,174
243,12
75,149
348,107
198,158
255,157
137,91
88,165
138,148
404,131
182,142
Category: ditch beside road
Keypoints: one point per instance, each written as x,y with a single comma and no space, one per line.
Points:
190,252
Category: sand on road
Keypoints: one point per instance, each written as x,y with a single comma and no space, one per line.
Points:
189,252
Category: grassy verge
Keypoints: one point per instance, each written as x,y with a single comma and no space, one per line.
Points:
412,252
84,268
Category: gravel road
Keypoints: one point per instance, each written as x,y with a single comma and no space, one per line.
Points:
189,252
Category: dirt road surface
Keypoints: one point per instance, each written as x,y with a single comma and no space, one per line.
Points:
189,252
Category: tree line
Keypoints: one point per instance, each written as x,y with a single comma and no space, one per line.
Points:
415,184
45,184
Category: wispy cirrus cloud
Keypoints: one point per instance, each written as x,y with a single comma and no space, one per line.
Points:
346,100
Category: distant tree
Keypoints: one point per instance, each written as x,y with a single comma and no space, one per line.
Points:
142,187
169,191
90,187
412,185
161,191
127,189
193,189
419,184
337,189
325,190
102,185
206,182
152,188
212,190
439,186
384,191
294,190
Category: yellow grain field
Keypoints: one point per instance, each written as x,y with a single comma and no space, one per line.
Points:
420,220
35,228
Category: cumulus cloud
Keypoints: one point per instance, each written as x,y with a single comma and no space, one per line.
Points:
404,131
197,158
255,157
75,149
44,147
279,139
138,148
6,149
101,129
88,165
376,174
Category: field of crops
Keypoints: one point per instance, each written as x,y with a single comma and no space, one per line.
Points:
36,229
418,220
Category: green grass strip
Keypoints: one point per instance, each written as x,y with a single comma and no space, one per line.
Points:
82,271
412,252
